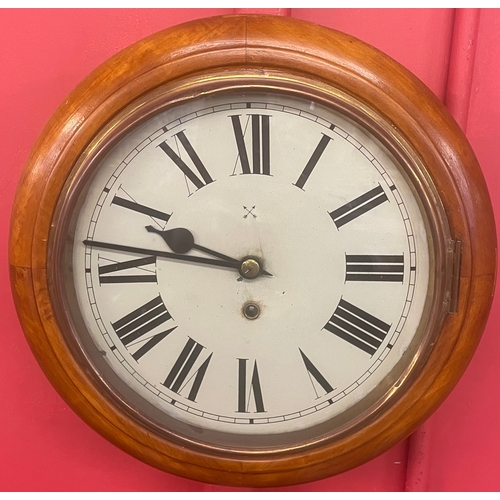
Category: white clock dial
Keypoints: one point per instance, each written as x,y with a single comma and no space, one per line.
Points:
254,179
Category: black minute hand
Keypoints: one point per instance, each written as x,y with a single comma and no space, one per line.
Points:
166,255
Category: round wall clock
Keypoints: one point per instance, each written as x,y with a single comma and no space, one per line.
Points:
253,251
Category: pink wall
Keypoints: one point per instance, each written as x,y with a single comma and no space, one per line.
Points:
44,446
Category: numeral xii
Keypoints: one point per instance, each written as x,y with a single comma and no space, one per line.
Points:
260,142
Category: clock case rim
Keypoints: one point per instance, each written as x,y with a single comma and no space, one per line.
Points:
257,44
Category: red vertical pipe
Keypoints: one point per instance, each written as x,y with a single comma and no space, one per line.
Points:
463,51
457,99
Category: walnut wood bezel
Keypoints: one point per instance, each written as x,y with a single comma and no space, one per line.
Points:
256,46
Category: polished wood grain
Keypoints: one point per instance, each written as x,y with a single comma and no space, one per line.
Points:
255,46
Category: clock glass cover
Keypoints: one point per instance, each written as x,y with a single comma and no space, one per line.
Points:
246,268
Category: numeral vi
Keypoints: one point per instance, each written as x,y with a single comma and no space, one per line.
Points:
247,390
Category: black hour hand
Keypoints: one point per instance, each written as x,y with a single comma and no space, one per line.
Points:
181,240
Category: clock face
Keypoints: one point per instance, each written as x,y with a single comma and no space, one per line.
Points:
248,264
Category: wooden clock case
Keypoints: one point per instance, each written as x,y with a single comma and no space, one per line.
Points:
258,47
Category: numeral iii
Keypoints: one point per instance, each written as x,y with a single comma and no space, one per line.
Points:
374,268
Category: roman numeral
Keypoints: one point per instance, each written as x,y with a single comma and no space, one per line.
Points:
320,148
245,391
107,273
199,180
315,374
134,327
374,268
261,144
142,209
357,327
358,206
182,371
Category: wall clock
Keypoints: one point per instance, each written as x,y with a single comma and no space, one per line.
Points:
254,251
